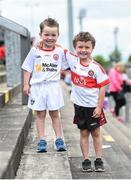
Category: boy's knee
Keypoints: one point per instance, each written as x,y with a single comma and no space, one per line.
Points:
96,133
54,114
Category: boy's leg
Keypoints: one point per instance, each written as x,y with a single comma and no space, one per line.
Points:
84,143
56,123
40,123
97,142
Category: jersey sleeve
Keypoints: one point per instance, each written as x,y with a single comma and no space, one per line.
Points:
28,63
101,76
71,59
65,64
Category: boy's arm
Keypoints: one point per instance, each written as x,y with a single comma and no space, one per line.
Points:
101,96
69,60
26,87
97,111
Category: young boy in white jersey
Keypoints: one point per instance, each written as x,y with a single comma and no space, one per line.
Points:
42,68
88,90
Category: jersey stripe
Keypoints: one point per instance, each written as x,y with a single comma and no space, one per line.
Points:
83,81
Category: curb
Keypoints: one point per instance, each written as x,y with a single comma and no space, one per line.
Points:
12,145
2,77
6,96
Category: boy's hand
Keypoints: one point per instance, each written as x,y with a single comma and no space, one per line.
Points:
39,45
97,112
26,89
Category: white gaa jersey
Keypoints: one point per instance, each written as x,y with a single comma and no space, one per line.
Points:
45,65
86,81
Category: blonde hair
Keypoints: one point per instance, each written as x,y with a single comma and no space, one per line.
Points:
119,66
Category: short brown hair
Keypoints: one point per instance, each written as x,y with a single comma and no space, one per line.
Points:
84,36
49,22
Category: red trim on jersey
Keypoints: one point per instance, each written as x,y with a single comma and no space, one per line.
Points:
73,54
85,65
102,119
104,83
102,69
86,82
47,49
65,51
56,45
83,81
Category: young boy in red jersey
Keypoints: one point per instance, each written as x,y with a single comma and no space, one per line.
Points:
88,90
42,68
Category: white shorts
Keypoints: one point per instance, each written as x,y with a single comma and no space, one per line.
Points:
47,95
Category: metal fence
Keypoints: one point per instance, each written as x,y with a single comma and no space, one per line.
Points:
17,44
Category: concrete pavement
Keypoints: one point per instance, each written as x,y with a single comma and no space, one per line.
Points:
15,121
67,165
58,165
116,146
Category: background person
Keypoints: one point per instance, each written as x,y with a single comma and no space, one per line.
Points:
116,89
2,53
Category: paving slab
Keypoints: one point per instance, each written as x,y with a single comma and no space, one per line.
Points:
15,121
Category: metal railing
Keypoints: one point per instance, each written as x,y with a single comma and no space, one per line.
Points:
17,43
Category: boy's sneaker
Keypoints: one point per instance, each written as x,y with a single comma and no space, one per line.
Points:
99,167
42,146
59,144
86,166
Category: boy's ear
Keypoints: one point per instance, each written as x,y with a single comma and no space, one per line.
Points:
39,34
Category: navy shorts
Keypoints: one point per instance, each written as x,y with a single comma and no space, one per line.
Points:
84,120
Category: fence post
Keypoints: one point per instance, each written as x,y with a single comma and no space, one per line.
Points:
12,44
25,47
128,108
17,42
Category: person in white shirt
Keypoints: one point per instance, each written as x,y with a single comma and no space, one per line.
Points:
42,68
88,91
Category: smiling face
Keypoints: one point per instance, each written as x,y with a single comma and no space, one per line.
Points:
84,49
84,44
49,36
